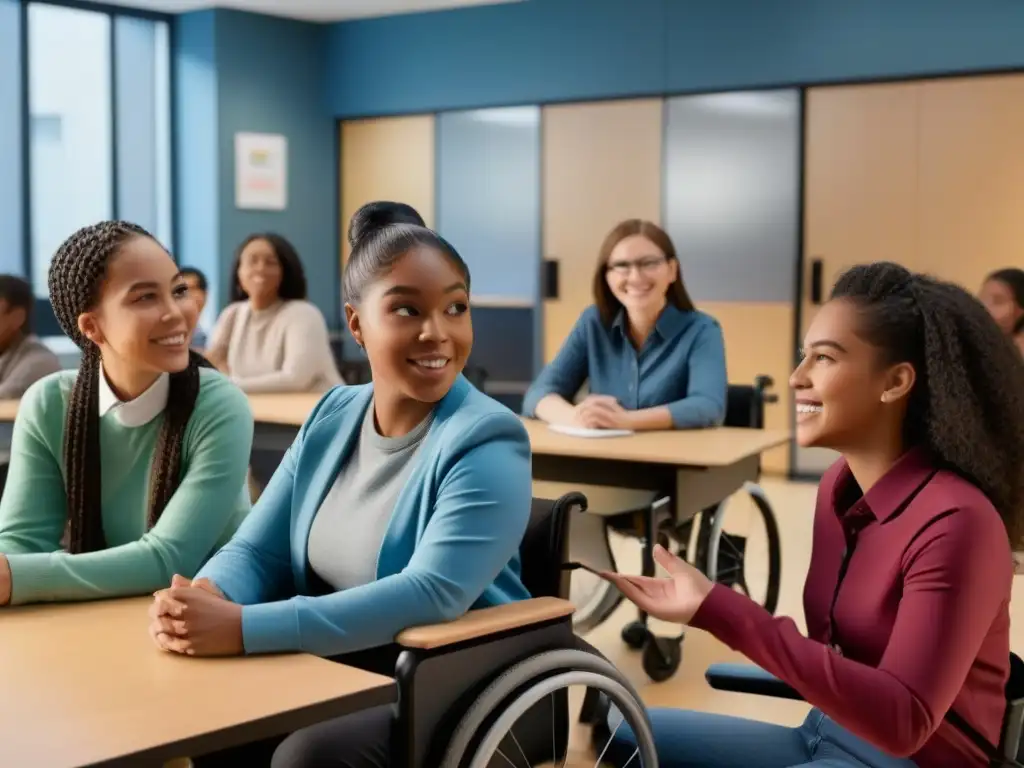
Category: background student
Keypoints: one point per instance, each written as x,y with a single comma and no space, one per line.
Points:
23,358
138,460
197,289
650,359
1002,293
401,503
270,338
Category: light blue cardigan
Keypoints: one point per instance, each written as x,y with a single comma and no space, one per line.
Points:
452,543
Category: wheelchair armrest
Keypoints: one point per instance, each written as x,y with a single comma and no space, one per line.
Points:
485,622
747,678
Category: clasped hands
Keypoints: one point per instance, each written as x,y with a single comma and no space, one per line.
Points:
601,412
194,618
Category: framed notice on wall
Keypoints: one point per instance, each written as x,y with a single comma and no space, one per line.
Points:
261,171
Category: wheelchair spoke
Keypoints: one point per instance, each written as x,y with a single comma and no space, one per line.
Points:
608,743
503,757
512,733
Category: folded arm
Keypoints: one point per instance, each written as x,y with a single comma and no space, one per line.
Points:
550,396
479,519
952,592
704,404
255,565
194,520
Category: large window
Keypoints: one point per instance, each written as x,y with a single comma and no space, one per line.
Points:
97,122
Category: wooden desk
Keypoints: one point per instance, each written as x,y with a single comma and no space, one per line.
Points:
285,409
83,684
8,409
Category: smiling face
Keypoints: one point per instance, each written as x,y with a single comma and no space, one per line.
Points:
260,272
414,324
143,316
1000,302
639,274
846,393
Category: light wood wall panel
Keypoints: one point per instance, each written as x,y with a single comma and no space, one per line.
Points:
759,340
388,158
971,190
860,190
602,163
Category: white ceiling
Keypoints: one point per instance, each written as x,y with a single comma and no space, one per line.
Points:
310,10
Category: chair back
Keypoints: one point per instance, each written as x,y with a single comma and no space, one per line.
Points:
1011,743
744,405
545,546
477,376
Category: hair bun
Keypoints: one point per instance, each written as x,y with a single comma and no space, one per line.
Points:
375,216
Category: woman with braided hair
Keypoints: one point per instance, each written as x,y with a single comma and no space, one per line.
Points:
907,597
139,458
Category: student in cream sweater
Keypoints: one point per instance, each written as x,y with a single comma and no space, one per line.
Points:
134,467
270,339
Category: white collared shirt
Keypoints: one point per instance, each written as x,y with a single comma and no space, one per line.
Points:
140,411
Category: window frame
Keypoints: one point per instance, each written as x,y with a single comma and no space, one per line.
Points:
44,320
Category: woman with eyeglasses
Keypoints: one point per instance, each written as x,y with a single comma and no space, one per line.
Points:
652,361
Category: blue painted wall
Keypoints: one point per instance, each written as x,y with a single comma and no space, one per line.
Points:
568,50
246,72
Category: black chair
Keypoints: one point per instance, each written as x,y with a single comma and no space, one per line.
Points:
750,679
462,684
718,554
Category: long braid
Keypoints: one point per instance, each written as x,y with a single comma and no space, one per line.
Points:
76,273
181,400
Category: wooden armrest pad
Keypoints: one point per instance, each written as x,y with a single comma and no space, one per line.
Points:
485,621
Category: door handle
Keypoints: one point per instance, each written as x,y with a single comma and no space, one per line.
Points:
549,279
816,271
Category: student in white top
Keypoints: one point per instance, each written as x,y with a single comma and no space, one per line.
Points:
270,338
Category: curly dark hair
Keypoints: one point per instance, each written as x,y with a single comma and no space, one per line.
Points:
75,276
293,276
967,404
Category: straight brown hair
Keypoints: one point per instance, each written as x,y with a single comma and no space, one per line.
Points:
607,305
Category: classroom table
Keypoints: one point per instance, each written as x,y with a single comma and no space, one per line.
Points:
695,469
84,685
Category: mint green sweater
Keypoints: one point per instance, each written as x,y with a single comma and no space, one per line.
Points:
210,502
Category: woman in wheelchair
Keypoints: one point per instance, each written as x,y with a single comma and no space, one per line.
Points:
907,596
401,502
651,360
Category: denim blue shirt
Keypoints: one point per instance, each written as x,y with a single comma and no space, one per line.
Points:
681,366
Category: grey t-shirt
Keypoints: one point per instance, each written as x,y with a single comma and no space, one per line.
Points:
346,534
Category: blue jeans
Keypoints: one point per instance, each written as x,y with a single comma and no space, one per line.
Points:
687,739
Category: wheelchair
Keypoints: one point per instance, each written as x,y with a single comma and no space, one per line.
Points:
750,679
716,553
491,688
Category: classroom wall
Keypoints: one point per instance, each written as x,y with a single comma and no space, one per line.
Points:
558,50
565,50
237,72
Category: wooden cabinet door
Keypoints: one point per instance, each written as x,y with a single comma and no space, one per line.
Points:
601,164
860,191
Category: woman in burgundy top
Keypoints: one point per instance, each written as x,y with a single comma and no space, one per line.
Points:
907,597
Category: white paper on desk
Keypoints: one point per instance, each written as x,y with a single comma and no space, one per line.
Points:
585,432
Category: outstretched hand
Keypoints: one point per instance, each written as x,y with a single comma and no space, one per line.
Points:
675,598
194,617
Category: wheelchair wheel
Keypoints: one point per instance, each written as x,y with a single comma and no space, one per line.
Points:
533,695
726,553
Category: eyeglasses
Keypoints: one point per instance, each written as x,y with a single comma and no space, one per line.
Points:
645,264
